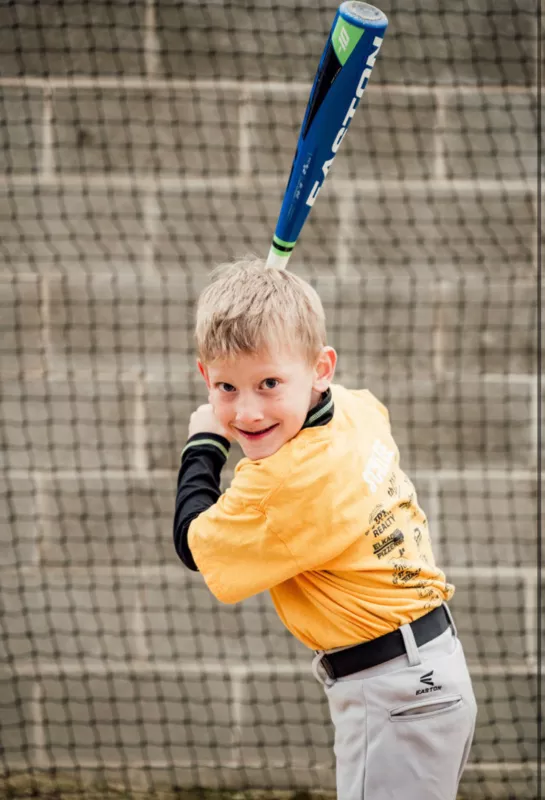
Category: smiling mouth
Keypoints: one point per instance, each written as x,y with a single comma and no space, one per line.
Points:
253,435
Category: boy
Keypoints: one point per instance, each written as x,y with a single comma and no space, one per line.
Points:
321,514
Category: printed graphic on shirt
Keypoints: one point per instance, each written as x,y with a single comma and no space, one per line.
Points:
393,488
377,466
428,593
406,504
381,522
389,543
404,573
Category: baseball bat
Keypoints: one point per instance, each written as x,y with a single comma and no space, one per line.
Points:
341,78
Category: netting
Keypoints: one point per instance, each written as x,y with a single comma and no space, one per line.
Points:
144,141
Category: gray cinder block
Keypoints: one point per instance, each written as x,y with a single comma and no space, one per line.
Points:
67,423
168,405
62,225
447,424
391,137
379,325
447,229
491,618
22,345
434,44
18,521
488,521
185,132
17,696
61,614
121,322
206,227
74,38
491,135
200,42
145,716
489,326
106,519
182,619
285,721
21,131
506,729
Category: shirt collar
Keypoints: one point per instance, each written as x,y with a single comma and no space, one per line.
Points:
322,413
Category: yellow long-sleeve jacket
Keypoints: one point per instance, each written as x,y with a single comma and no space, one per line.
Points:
331,526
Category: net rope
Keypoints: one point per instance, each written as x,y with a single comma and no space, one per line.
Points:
143,142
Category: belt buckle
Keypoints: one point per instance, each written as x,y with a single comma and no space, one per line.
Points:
328,669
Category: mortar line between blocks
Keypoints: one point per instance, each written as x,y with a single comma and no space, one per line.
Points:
226,183
237,685
346,201
38,730
246,116
151,41
434,515
141,460
139,628
530,614
439,171
259,86
151,216
45,319
48,164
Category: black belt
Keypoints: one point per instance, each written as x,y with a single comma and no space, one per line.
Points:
384,648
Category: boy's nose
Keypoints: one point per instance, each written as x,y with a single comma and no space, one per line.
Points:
248,412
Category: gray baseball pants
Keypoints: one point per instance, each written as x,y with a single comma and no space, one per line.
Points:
403,729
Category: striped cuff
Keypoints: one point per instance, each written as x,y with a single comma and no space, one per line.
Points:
219,443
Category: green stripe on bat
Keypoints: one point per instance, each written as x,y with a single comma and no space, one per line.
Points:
278,252
344,39
276,240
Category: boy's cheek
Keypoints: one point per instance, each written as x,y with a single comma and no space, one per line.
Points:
219,410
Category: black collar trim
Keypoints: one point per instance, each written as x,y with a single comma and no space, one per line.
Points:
322,413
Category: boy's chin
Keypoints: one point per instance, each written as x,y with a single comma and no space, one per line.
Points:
256,450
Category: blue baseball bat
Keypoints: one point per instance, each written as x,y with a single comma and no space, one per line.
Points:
343,72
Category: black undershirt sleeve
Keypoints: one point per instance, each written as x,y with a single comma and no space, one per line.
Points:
198,486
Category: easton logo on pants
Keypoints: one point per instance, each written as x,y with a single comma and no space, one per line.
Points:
428,680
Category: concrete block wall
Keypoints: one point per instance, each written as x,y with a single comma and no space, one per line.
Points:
142,143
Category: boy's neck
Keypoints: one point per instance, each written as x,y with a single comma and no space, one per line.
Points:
315,399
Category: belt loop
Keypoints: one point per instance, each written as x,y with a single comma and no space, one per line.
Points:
410,645
324,678
448,612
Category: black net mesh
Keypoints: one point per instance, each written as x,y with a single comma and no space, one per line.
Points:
144,141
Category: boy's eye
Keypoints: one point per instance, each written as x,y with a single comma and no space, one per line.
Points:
226,387
270,383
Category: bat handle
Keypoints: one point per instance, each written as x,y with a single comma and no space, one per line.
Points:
279,253
274,260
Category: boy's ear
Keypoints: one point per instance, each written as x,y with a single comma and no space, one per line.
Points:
324,369
204,372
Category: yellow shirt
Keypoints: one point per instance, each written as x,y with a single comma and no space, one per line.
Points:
331,526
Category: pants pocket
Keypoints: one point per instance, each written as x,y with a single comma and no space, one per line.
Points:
424,709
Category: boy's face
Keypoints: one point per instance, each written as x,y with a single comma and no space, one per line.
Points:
262,400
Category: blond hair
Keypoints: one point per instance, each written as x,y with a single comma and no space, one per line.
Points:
248,308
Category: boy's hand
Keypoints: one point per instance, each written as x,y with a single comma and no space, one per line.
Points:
203,420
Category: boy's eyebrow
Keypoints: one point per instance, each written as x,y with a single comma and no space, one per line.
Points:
276,374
